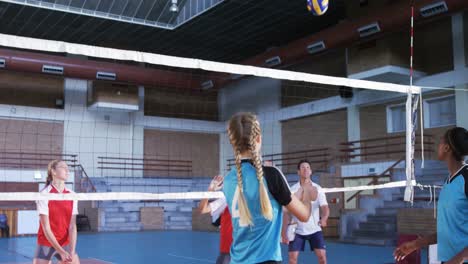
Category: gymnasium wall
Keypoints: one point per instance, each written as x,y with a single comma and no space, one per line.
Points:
98,133
373,123
27,89
182,103
202,149
317,131
465,35
331,63
431,54
261,96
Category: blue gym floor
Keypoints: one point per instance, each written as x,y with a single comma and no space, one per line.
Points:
177,247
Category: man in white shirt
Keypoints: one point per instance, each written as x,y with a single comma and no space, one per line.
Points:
311,230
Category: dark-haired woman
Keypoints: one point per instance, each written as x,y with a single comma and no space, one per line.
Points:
452,213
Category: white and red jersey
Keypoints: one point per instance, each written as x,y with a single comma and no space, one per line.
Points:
219,209
60,214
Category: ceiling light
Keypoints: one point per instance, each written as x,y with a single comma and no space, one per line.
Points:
174,7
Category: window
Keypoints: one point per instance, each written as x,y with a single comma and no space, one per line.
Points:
439,112
396,118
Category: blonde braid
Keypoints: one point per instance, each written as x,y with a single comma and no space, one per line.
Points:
243,131
245,218
265,203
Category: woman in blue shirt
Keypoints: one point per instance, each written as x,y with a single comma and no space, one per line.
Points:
452,213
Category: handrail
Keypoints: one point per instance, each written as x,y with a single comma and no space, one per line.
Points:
380,138
141,164
142,169
309,156
378,146
144,164
87,179
18,159
291,153
375,178
144,159
38,158
15,158
298,152
385,152
319,155
38,153
295,163
388,146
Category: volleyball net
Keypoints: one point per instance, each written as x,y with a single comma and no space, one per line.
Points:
165,139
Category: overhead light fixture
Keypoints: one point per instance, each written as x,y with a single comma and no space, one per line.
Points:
174,8
207,85
273,61
106,76
434,9
316,47
52,69
369,30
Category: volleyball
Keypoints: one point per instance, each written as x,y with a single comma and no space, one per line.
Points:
317,7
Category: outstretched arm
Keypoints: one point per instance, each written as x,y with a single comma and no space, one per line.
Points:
460,258
407,248
44,219
300,205
73,238
284,228
216,184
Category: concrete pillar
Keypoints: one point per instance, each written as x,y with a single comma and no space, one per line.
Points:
459,61
354,127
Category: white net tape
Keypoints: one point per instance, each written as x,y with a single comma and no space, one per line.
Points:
107,196
172,61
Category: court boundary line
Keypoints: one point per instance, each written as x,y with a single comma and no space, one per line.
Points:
105,261
191,258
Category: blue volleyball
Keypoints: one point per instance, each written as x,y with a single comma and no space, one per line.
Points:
317,7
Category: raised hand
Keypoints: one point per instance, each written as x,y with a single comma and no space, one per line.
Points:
216,184
404,250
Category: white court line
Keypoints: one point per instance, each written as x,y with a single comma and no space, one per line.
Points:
102,260
191,258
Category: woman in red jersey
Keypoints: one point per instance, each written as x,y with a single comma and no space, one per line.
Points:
57,231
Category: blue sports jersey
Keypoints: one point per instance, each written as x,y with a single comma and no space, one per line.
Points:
260,242
452,216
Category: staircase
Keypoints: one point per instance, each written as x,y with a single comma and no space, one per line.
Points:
120,216
125,215
377,223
